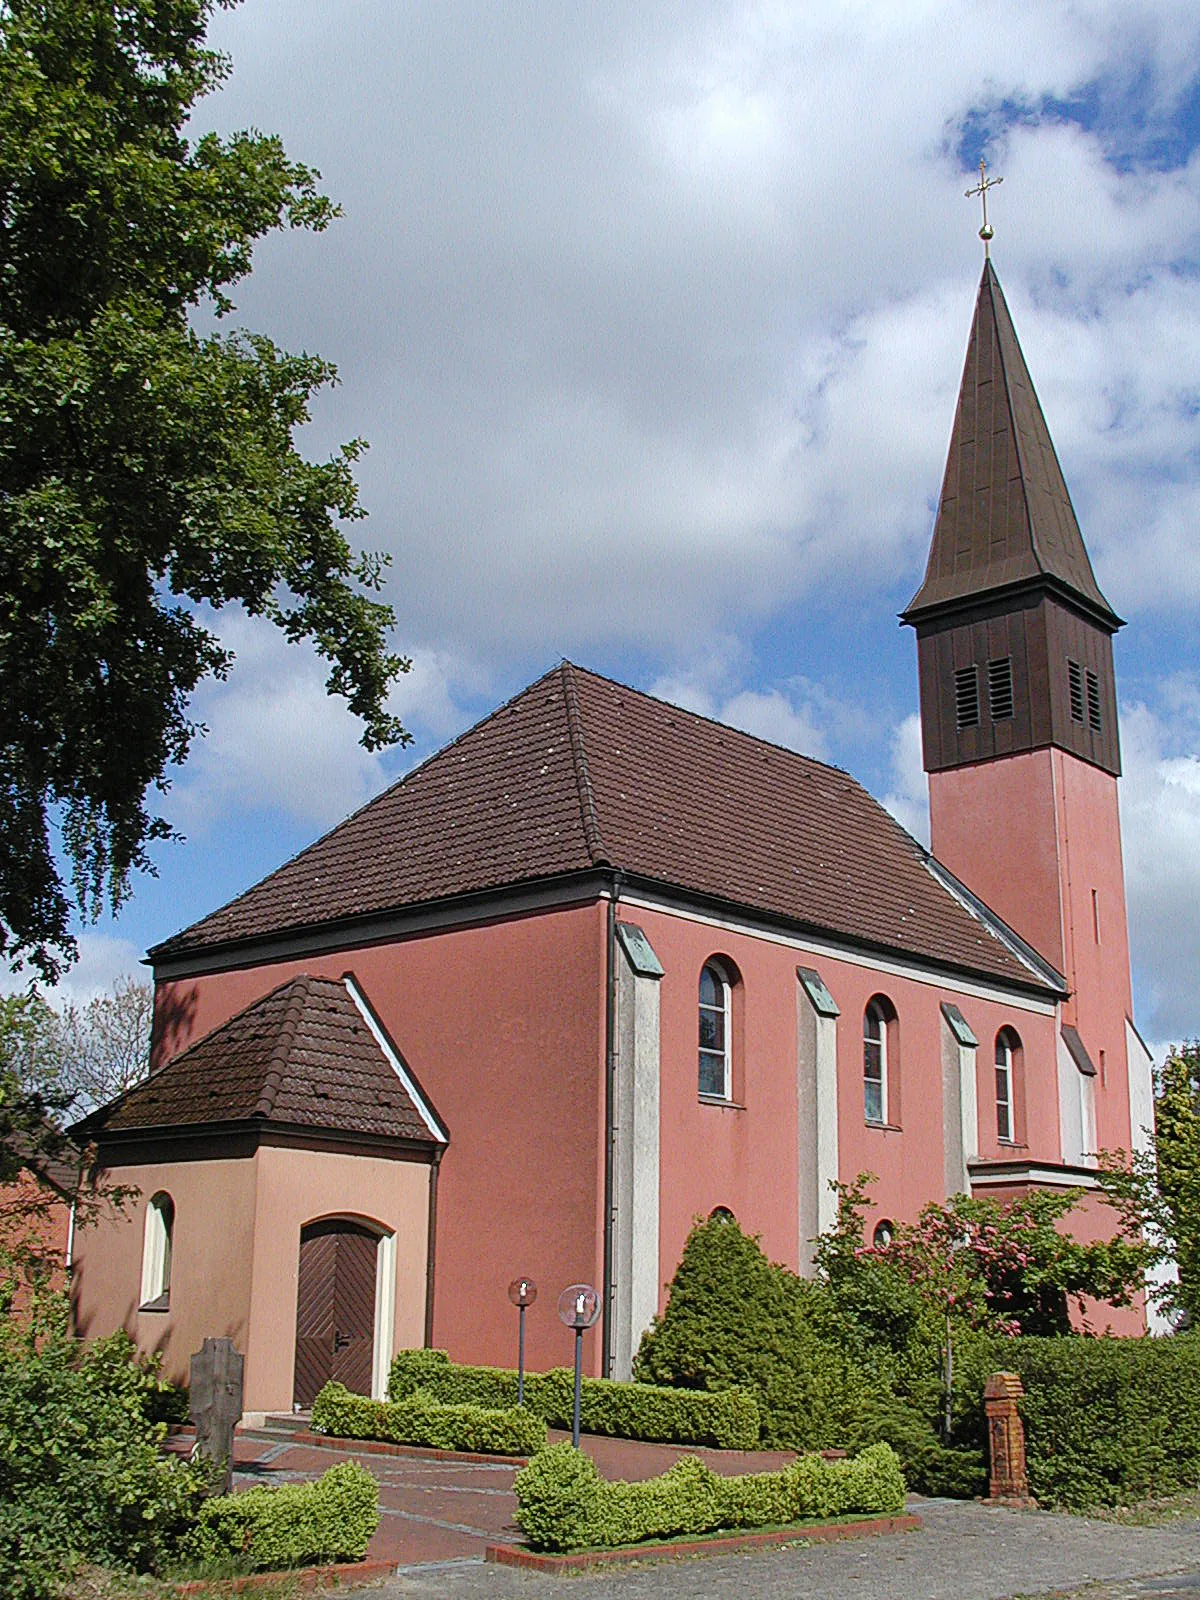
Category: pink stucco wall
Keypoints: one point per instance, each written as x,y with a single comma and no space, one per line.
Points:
210,1270
235,1255
1038,836
746,1156
503,1026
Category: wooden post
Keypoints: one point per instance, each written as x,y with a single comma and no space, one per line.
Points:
1009,1481
215,1403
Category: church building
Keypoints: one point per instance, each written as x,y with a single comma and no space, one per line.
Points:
602,966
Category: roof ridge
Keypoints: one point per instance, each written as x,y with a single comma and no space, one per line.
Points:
583,781
715,722
283,1046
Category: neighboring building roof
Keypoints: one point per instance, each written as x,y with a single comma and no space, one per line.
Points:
1005,517
578,772
307,1055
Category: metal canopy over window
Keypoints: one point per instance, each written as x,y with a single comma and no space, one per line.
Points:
813,985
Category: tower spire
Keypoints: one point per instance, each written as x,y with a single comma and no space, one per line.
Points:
1005,519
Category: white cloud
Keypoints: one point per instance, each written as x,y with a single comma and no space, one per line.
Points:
638,312
103,958
908,797
1160,813
277,741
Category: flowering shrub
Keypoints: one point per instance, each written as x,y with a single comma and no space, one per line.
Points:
1002,1267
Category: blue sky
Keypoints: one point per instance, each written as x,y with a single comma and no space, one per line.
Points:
654,317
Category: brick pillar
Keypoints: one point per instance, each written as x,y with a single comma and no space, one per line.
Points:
1009,1482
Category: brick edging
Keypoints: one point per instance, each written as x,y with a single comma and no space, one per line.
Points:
307,1577
382,1447
513,1555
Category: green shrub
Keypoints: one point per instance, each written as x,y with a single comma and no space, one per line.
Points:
564,1504
82,1476
291,1525
419,1419
727,1420
1107,1421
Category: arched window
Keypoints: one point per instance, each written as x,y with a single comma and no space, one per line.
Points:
1008,1050
879,1033
883,1235
716,1066
721,1214
156,1253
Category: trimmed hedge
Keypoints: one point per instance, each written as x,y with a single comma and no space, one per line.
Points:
564,1504
1107,1421
420,1419
727,1419
292,1525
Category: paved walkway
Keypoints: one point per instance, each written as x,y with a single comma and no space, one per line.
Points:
437,1517
436,1510
964,1552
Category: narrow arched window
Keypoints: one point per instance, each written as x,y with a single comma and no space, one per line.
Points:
875,1062
1007,1048
157,1246
716,1075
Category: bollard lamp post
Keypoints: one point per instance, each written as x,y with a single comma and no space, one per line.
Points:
578,1308
522,1292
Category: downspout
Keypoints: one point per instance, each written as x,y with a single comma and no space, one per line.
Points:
610,1129
431,1243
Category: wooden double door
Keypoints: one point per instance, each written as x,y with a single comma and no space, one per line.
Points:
335,1308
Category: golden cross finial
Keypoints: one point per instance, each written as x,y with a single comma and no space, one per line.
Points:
985,183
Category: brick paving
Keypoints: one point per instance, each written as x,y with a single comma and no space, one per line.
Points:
438,1515
438,1510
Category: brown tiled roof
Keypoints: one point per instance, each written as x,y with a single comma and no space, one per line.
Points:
578,772
1005,516
303,1056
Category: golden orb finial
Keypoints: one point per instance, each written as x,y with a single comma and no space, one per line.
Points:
987,233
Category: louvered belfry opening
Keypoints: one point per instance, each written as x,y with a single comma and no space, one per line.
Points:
335,1308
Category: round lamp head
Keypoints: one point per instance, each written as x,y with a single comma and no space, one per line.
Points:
578,1305
522,1291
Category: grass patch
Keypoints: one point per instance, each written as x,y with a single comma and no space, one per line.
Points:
1157,1512
101,1583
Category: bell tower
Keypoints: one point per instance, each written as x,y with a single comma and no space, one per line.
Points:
1018,705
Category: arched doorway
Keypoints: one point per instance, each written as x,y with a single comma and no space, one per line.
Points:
335,1308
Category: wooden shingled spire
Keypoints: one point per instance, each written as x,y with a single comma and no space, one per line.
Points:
1005,519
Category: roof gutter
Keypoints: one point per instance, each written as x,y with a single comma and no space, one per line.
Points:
431,1243
610,1125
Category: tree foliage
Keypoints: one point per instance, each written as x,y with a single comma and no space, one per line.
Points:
46,1059
82,1475
999,1266
100,1049
147,468
1158,1189
1177,1150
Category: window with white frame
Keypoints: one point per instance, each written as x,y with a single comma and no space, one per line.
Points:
716,1067
1006,1054
156,1253
875,1062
